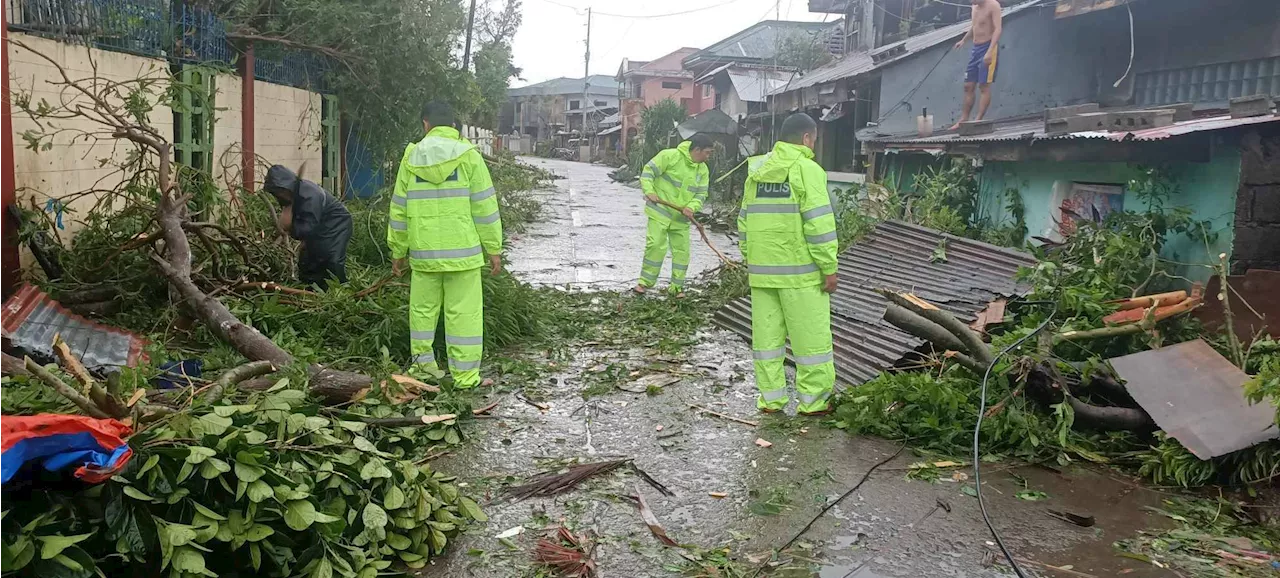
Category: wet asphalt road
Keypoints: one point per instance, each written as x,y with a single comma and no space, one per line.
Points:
891,527
592,233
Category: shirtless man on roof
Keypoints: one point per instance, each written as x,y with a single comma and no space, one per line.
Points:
985,31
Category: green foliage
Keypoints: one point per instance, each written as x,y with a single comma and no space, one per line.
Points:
273,482
803,51
944,198
1211,537
1265,385
657,125
389,57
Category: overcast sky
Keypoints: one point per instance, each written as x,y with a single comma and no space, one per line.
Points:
550,41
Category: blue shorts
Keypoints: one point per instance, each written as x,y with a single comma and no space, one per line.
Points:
979,71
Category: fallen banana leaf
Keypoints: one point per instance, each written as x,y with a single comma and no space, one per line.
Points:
651,520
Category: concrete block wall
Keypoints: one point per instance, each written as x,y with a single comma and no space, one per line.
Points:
74,162
287,127
226,130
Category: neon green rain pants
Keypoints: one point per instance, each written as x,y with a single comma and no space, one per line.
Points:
658,238
804,315
460,295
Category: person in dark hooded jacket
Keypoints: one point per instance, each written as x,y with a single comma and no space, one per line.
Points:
317,219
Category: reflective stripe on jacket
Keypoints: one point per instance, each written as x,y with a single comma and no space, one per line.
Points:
674,177
786,224
444,211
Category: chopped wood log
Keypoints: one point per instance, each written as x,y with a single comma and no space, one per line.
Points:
1146,302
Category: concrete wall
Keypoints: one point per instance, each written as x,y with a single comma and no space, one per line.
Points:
1037,69
287,127
653,92
73,164
1207,189
226,131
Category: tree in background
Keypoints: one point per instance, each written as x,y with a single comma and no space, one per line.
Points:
390,56
657,125
493,61
802,51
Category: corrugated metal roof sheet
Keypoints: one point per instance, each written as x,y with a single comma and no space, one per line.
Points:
857,63
1033,130
600,84
759,41
898,256
752,86
32,319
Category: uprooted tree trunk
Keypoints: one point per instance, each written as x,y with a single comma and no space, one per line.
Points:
96,98
1044,385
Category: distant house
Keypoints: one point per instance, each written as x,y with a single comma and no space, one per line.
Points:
555,106
736,74
1119,63
646,83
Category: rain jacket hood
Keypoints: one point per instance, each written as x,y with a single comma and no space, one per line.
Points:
435,159
320,221
777,165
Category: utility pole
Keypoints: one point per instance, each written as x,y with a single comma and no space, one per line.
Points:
471,23
586,88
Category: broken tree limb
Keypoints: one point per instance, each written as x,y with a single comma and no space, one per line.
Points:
973,344
236,375
723,416
702,231
89,386
11,365
274,287
1110,418
409,421
64,390
914,324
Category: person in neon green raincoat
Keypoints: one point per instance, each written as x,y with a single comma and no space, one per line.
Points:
787,234
678,176
444,227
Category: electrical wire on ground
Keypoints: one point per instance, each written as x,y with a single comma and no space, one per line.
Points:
837,501
977,428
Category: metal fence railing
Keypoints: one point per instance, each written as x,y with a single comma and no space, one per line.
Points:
175,30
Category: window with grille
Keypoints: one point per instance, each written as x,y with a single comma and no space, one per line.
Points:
673,85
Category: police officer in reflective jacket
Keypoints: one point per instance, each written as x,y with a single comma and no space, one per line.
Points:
317,219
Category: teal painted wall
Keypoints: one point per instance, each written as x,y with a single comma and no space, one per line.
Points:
1207,189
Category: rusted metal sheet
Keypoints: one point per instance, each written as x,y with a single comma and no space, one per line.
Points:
1068,8
898,256
1031,130
1197,397
32,319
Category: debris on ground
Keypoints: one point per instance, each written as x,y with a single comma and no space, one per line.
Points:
651,520
567,554
32,319
552,483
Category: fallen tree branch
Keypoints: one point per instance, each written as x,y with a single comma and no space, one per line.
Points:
236,375
973,344
410,421
702,231
367,291
918,326
11,365
723,416
276,287
64,390
1110,418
